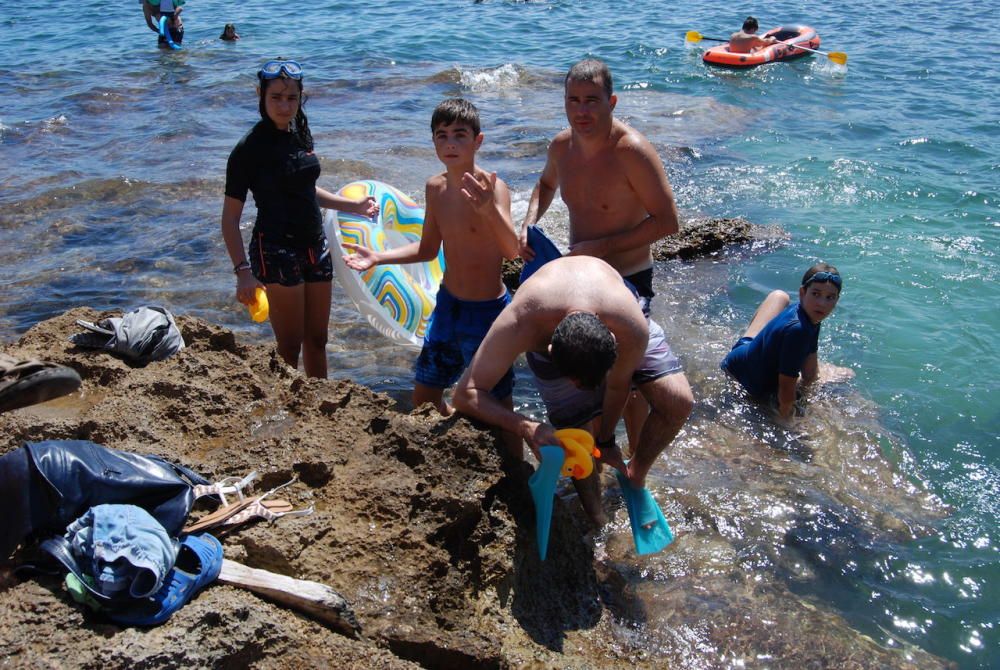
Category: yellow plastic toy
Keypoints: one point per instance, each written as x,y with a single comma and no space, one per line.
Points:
580,452
259,307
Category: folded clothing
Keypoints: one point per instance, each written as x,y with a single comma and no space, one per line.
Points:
123,548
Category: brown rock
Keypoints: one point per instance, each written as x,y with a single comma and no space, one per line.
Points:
419,524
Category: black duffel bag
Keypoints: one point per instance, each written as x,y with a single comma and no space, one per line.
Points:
44,486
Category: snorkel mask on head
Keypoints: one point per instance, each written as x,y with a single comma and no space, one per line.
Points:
274,69
824,276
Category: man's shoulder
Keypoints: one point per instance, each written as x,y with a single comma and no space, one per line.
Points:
628,141
561,139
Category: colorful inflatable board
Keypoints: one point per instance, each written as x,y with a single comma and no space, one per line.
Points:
397,300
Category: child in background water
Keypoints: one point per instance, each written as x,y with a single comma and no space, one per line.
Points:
778,353
229,33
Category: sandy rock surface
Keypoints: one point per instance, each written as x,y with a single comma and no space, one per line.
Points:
418,523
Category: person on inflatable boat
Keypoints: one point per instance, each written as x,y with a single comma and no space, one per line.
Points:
746,40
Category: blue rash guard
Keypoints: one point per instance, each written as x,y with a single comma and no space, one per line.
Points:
780,348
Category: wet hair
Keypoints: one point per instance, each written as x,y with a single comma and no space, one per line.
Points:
583,348
592,70
300,125
456,110
226,29
821,267
750,25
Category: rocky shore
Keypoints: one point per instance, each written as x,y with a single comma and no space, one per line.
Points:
418,522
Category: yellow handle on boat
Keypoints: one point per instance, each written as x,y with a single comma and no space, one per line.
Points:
838,57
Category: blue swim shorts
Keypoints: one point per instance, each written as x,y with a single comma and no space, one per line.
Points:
569,406
273,263
457,329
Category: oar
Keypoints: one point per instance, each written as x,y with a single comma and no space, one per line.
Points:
838,57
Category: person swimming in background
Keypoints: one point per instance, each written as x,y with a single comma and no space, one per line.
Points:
746,41
229,33
778,353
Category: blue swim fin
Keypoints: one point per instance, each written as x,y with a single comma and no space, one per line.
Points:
643,511
543,488
545,251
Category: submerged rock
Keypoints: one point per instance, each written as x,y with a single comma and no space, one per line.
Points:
698,236
419,523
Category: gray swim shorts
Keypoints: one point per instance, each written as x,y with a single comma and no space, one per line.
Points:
569,406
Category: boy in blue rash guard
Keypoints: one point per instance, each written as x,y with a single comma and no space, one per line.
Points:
288,254
467,211
782,341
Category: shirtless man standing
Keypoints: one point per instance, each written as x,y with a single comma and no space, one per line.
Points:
619,202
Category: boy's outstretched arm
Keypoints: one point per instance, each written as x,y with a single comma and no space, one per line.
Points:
490,197
363,258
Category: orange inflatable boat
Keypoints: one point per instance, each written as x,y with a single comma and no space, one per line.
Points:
790,36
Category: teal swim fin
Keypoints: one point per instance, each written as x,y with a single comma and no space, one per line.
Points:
643,511
543,488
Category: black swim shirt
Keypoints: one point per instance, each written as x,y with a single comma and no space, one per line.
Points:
282,176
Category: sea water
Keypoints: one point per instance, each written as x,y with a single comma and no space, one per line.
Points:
112,165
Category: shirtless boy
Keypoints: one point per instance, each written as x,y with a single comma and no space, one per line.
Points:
746,40
618,196
587,341
468,210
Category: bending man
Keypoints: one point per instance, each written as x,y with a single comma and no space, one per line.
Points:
587,342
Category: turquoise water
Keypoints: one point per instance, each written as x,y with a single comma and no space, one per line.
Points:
113,157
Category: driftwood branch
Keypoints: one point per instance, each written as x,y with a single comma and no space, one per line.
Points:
312,598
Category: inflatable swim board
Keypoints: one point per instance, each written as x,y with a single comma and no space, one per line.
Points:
397,300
